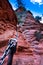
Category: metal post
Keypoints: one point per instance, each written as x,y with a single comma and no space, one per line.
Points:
10,51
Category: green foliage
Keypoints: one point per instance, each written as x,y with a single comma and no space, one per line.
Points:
21,16
19,20
21,4
38,18
38,35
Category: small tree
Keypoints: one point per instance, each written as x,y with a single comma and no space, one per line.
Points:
38,19
21,4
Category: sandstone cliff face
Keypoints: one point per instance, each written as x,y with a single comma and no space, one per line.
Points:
29,50
8,21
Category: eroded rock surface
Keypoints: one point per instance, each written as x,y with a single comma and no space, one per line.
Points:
29,50
8,22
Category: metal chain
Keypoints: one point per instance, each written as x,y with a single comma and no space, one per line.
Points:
12,43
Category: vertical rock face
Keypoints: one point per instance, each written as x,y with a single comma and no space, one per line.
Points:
30,49
8,21
6,12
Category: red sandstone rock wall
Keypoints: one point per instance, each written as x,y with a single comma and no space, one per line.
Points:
8,22
29,50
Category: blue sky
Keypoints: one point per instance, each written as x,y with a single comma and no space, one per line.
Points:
35,6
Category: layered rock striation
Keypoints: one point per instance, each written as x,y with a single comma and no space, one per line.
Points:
29,47
30,40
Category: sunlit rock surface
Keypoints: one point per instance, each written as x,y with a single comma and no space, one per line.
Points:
29,50
8,22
